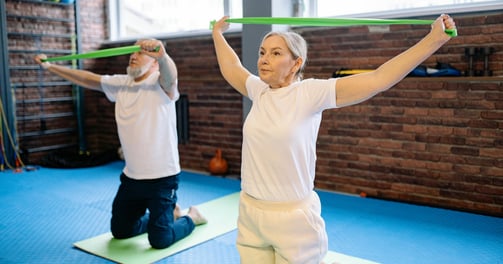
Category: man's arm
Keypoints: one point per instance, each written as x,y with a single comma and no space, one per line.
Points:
168,79
169,74
82,78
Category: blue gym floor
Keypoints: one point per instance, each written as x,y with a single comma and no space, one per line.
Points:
44,212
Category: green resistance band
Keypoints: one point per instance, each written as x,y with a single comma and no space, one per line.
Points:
100,53
330,22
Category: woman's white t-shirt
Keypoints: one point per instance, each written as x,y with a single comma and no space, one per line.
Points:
279,138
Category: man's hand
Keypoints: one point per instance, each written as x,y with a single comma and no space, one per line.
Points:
153,48
38,59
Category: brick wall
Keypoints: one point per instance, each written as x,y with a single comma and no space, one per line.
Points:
46,120
41,109
429,141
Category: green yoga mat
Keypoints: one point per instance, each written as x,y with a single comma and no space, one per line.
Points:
222,215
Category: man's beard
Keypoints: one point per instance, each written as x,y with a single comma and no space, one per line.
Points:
135,72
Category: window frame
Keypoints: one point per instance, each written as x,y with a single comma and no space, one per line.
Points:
114,7
115,35
492,5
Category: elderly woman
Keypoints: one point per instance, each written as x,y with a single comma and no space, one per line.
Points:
279,213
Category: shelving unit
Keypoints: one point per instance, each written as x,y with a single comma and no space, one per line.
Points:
46,109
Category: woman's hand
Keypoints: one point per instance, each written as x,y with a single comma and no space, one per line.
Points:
442,23
221,26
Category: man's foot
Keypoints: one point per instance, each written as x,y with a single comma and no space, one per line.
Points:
196,216
177,213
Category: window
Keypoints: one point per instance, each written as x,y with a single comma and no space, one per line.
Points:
400,8
133,18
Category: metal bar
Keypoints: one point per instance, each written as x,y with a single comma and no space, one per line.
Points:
45,2
78,91
38,35
38,18
36,84
44,116
45,100
40,51
24,67
46,132
47,148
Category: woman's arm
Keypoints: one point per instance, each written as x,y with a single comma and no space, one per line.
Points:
82,78
360,87
230,65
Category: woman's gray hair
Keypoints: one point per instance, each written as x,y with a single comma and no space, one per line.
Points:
296,44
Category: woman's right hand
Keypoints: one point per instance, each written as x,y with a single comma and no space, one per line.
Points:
221,26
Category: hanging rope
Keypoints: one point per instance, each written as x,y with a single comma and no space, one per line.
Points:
2,149
17,158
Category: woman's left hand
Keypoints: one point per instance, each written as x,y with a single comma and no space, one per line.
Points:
442,23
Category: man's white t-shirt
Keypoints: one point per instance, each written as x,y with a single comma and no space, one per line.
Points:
279,138
146,124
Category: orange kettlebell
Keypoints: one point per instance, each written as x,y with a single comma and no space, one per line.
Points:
218,165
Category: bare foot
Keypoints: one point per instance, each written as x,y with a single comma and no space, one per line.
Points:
196,216
177,213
